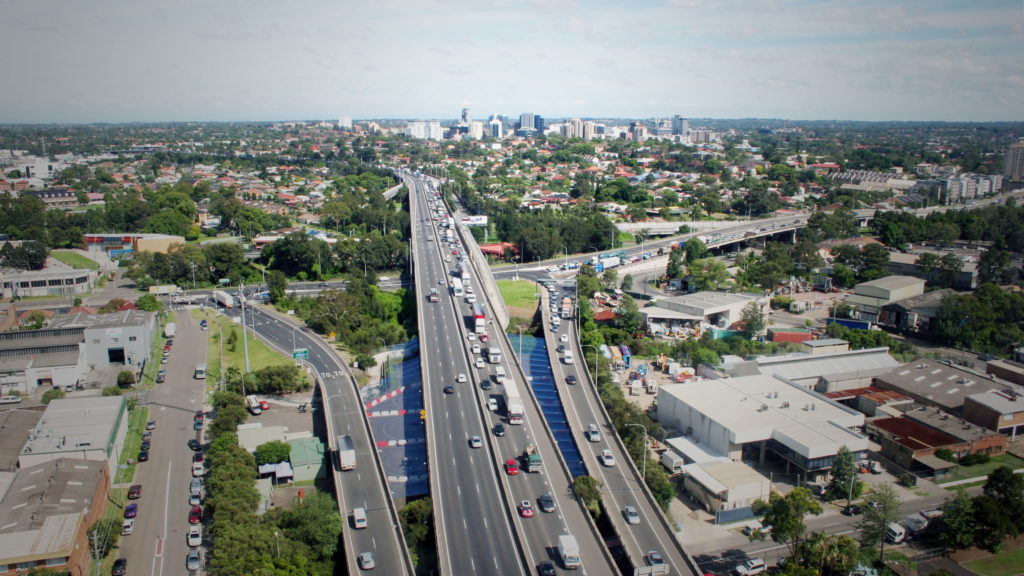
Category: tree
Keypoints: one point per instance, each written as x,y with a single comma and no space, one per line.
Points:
610,279
272,452
844,482
951,265
51,395
628,317
708,273
927,263
125,378
417,519
752,320
627,282
149,303
675,264
957,524
695,250
365,361
103,536
588,489
830,554
785,514
277,285
879,516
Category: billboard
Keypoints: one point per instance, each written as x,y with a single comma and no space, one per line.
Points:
475,220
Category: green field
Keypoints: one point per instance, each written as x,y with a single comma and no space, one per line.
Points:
964,472
519,293
260,355
1008,564
75,260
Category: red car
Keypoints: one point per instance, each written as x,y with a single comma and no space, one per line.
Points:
455,252
197,457
135,491
526,509
264,405
195,515
199,416
485,338
511,467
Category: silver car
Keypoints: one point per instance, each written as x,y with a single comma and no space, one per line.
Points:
366,561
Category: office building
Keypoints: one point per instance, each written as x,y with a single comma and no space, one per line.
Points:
680,125
423,129
345,123
467,117
1014,163
526,121
495,128
120,338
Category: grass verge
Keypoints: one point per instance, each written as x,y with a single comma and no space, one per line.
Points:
75,260
519,293
1007,564
979,470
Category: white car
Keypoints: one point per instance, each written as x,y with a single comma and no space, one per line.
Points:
193,562
475,441
607,458
751,567
476,349
195,536
480,363
632,517
492,405
563,338
460,378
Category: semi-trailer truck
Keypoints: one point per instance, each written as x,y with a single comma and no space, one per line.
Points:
223,298
513,402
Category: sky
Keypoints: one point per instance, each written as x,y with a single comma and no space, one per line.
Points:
261,60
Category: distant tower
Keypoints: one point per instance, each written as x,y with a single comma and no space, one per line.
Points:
526,121
680,125
345,123
495,128
1014,163
467,117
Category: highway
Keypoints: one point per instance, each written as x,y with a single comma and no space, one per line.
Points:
365,486
465,413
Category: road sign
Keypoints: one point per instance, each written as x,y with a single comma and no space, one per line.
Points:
300,353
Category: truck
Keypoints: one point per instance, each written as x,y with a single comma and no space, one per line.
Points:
895,533
165,290
922,523
433,296
610,262
457,288
567,358
480,323
449,235
569,551
673,462
494,355
567,307
532,459
253,404
451,223
499,374
170,329
513,402
223,298
346,453
464,273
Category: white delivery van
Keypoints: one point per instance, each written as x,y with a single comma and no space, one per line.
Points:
568,356
359,518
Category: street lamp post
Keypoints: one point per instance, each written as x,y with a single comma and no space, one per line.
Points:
644,465
597,359
566,251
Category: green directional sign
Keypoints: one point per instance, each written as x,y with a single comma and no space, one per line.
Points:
300,353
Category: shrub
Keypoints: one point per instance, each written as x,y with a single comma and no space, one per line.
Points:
50,395
908,480
974,458
945,454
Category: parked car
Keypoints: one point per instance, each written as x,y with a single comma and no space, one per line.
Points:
195,536
195,514
151,425
192,562
135,491
143,455
194,444
120,567
751,567
131,511
852,510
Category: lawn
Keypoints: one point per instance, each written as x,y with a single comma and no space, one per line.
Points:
260,354
1008,564
964,472
75,260
519,293
136,426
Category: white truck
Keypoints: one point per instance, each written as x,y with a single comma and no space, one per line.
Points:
922,523
224,299
673,462
170,330
610,262
346,453
567,358
253,404
569,551
513,402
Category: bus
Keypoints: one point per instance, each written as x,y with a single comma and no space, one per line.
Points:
200,372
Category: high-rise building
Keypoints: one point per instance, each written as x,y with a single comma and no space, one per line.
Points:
1014,163
588,130
538,123
638,132
345,123
526,121
680,125
424,129
467,117
495,128
476,130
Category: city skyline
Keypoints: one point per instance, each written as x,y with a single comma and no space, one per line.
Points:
260,61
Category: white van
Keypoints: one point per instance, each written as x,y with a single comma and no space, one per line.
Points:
128,527
359,518
895,533
568,356
593,434
499,374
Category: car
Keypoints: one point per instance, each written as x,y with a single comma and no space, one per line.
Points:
197,457
631,515
196,485
441,281
131,510
135,492
366,561
198,469
264,405
120,567
460,378
195,498
852,510
143,455
570,379
547,502
499,429
546,568
526,509
471,337
751,567
486,384
607,458
128,527
163,360
475,349
485,338
654,558
449,389
167,348
511,467
197,425
199,416
151,425
455,252
161,378
195,514
10,399
479,363
475,441
145,445
147,435
192,562
194,444
492,404
563,338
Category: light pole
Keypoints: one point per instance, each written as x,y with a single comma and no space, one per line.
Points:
644,428
387,357
597,359
566,250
